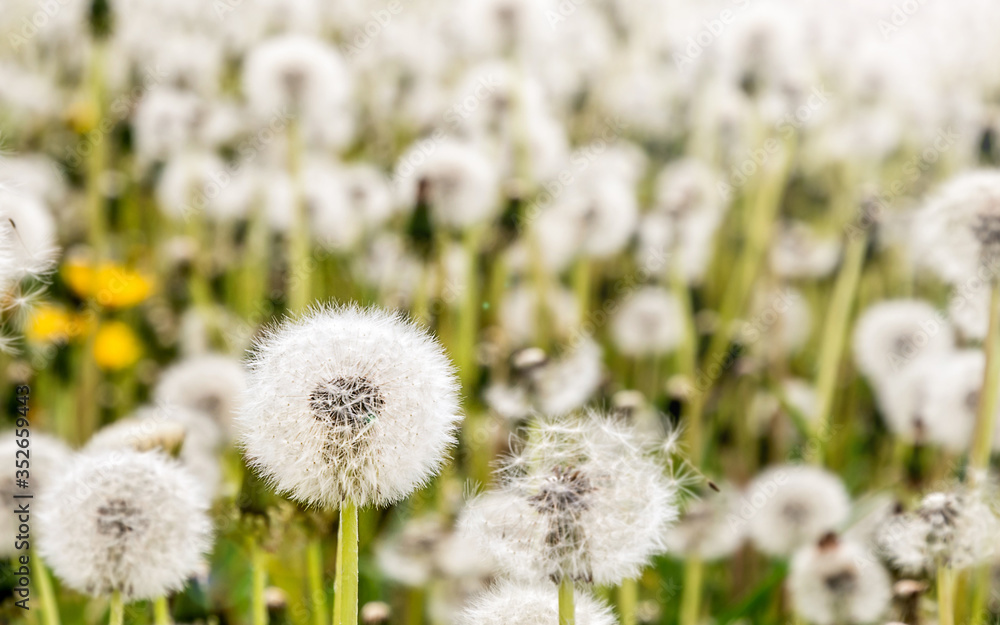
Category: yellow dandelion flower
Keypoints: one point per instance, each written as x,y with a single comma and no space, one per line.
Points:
116,346
50,324
112,285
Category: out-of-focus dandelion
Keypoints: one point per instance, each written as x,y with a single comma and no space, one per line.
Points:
125,524
836,581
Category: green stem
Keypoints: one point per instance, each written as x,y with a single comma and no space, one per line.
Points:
97,161
50,608
946,596
259,582
317,594
687,360
567,609
760,219
349,592
581,282
834,338
299,263
338,580
982,440
117,609
628,598
980,577
694,574
468,315
161,612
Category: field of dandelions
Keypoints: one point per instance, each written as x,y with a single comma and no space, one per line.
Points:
499,312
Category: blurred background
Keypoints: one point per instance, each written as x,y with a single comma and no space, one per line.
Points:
669,209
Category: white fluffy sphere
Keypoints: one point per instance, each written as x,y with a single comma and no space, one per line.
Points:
126,521
349,403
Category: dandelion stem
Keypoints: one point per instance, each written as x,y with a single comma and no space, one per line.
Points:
694,574
982,441
946,596
338,578
161,612
317,594
834,338
299,265
567,609
117,609
628,597
349,590
468,314
50,609
259,609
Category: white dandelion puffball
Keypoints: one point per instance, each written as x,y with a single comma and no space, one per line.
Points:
455,178
838,581
958,230
348,403
27,235
800,252
303,77
168,428
48,457
788,506
510,603
649,322
953,529
126,521
582,499
209,383
705,530
890,336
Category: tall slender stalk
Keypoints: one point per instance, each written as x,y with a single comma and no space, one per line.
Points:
50,608
946,596
694,574
468,314
567,608
338,579
117,609
299,263
259,566
161,612
834,337
982,440
317,594
349,560
628,597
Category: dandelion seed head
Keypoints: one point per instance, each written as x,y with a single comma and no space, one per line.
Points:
956,529
512,603
890,336
793,505
209,383
649,322
126,521
348,403
583,499
838,581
